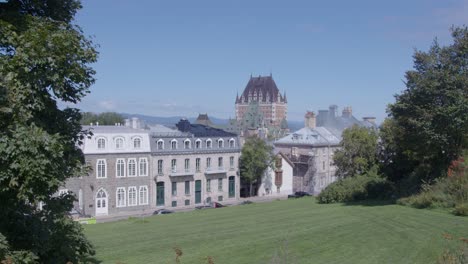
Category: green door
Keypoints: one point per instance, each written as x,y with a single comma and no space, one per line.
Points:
160,194
198,192
232,186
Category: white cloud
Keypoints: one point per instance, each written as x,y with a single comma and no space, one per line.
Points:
107,105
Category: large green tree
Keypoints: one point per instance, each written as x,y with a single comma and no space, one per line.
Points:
44,59
429,124
255,158
358,152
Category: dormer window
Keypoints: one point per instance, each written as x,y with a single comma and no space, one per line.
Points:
187,144
208,143
173,144
220,143
198,144
119,143
232,143
137,143
101,143
160,144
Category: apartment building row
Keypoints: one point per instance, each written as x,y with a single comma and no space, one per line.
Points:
140,170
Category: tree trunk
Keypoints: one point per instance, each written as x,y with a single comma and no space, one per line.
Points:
251,189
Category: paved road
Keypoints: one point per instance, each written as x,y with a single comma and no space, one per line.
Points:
126,215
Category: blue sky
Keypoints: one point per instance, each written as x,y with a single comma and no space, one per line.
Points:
167,58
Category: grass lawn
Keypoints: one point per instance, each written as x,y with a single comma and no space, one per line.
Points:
307,231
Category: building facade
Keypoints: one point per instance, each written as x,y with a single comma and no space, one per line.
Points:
311,150
119,178
136,171
194,165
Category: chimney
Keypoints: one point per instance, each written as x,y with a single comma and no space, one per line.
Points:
135,123
310,120
127,122
369,119
332,110
347,111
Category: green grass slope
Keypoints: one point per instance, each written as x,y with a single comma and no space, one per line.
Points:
308,232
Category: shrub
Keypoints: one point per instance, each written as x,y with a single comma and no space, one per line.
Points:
449,192
461,209
357,188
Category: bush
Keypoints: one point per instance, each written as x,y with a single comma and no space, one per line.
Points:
449,192
357,188
461,209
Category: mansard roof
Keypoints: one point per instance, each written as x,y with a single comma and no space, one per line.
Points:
201,130
319,136
261,89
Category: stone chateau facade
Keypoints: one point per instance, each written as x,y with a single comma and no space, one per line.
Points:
134,170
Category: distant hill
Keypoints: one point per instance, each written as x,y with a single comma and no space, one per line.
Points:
171,121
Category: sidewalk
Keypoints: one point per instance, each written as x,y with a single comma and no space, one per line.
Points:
149,212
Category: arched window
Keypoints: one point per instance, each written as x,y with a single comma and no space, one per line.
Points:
198,144
120,168
121,197
119,143
160,144
143,167
173,144
101,143
143,195
220,143
132,196
137,143
232,143
208,143
131,167
187,144
101,199
101,171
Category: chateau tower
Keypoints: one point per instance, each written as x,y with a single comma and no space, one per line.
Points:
262,90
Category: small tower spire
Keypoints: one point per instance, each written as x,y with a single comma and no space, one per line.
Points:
284,97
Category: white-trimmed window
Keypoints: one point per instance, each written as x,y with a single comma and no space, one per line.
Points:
208,163
174,165
220,143
119,143
187,144
132,168
198,144
143,167
208,143
137,143
62,192
80,199
132,196
120,197
143,195
160,144
101,168
120,168
197,164
101,143
232,143
173,144
160,167
220,163
187,165
231,162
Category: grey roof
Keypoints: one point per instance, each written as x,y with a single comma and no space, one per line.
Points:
114,129
319,136
161,129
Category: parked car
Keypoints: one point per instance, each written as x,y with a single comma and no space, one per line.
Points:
210,205
299,195
162,211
